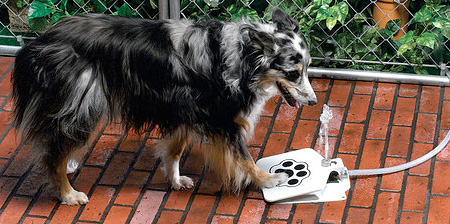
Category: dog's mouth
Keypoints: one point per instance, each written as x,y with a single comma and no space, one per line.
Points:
287,95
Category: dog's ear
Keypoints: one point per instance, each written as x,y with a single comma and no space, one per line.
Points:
263,41
283,21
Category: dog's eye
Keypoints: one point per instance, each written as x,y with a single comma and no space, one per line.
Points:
292,75
296,58
285,41
303,45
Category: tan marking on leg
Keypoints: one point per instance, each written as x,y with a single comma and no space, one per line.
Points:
258,176
176,144
243,123
170,151
220,159
62,179
235,171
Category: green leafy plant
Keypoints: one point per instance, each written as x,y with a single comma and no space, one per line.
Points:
344,38
431,27
335,33
22,3
331,14
226,10
43,13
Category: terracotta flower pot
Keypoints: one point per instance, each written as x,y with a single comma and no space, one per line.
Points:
18,18
386,10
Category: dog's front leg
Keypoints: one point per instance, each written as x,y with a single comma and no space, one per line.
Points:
234,165
259,177
170,150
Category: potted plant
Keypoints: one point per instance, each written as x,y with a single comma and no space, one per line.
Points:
18,12
387,10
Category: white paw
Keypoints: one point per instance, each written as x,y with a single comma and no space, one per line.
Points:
184,182
72,166
275,179
75,198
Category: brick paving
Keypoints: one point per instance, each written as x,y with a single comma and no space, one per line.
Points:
374,125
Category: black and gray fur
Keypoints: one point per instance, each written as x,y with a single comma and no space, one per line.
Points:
207,79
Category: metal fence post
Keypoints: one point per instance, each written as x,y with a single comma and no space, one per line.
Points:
163,7
175,9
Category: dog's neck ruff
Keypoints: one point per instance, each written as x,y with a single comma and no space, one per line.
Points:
225,50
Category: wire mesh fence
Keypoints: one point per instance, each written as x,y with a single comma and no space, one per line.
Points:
25,19
377,35
384,35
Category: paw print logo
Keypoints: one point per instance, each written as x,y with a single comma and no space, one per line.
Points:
296,171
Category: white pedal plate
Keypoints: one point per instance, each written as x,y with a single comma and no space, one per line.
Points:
308,181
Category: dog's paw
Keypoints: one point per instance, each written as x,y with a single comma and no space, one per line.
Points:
183,183
72,166
75,198
275,179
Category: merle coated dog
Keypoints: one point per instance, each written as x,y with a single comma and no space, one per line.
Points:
208,80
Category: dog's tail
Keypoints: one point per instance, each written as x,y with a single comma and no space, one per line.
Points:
25,92
55,91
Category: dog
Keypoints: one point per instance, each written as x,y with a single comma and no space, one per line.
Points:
208,80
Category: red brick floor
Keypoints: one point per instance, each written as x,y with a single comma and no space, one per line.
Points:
375,125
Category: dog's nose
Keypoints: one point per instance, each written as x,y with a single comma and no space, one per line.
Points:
312,102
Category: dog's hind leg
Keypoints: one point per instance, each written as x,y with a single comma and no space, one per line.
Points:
57,149
68,195
170,150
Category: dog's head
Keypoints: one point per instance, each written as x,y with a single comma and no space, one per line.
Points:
287,58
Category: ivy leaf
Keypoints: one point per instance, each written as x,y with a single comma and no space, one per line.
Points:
423,15
427,39
331,22
99,7
359,48
443,24
55,18
369,35
446,32
343,11
393,25
405,39
37,23
405,47
125,10
334,11
20,4
63,5
421,70
212,3
245,2
321,2
243,12
38,10
323,12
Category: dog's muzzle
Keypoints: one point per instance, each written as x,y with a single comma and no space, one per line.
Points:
287,95
290,99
